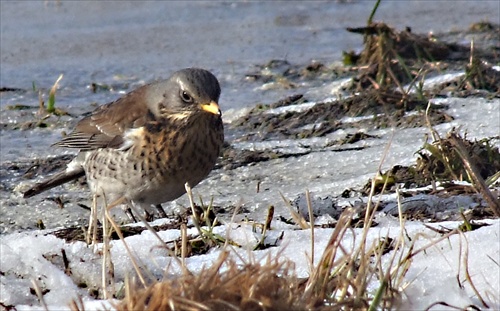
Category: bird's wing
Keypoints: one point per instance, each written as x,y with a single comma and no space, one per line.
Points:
106,126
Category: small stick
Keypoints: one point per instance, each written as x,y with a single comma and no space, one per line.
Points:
67,269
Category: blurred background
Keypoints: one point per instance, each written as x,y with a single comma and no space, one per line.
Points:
123,42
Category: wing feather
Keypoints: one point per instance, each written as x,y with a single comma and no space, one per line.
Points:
106,126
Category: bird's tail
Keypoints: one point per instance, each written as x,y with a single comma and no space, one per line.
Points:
56,180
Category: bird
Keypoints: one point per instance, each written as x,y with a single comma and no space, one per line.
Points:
145,146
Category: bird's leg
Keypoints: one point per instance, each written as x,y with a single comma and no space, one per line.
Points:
92,229
129,214
148,216
161,211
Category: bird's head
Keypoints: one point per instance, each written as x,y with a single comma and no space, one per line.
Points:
187,92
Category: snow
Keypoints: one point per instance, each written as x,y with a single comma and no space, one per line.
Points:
436,274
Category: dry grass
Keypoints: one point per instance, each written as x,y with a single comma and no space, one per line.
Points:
269,286
339,281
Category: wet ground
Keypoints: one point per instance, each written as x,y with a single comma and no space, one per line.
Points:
275,62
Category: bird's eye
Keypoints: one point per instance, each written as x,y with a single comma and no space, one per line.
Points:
186,97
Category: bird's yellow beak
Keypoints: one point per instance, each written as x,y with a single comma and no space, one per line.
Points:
211,107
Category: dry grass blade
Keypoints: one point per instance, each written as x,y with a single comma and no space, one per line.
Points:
475,176
296,216
155,234
77,304
122,238
195,218
316,285
108,284
467,274
265,227
39,294
311,221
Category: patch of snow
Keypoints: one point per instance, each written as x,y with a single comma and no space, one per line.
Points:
438,274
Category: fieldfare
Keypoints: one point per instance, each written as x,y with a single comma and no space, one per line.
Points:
145,146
